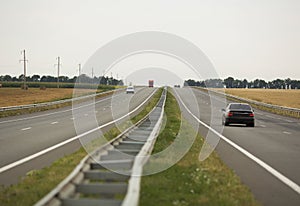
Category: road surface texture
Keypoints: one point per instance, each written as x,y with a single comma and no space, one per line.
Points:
275,140
22,136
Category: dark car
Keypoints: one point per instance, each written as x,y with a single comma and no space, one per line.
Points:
238,113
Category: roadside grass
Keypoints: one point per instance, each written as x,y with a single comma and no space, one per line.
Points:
191,182
38,183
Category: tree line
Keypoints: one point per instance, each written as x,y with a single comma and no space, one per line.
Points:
230,82
62,79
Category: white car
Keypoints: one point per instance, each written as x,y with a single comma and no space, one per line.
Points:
130,89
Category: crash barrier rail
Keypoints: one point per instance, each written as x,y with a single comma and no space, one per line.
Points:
30,106
282,110
111,174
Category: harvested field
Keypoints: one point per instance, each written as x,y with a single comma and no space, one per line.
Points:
17,96
288,98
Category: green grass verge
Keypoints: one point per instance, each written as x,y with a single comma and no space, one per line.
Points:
191,182
37,183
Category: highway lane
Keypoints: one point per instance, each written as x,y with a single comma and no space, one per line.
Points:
275,140
25,135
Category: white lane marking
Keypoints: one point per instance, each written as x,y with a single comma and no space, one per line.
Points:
263,125
96,112
264,165
86,115
49,149
289,120
72,118
285,132
54,122
27,128
48,114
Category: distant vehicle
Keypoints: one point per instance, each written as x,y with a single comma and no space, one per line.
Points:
130,89
151,83
238,113
177,86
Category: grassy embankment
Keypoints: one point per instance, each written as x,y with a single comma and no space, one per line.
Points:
37,183
191,182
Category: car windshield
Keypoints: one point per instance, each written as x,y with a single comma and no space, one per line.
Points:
240,106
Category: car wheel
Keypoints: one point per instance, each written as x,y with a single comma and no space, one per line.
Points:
250,124
226,123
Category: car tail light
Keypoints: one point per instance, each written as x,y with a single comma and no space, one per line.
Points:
251,115
230,114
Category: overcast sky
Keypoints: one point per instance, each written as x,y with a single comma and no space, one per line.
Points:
243,38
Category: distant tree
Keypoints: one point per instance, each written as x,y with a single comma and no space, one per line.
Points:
190,82
14,79
21,77
7,78
63,79
229,82
35,78
245,83
278,84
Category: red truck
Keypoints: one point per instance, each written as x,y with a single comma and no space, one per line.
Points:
151,83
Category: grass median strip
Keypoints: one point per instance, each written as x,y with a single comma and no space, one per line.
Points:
190,182
37,183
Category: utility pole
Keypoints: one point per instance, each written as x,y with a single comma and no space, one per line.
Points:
79,72
92,72
58,70
24,60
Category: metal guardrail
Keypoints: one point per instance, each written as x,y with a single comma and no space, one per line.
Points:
284,110
111,175
30,106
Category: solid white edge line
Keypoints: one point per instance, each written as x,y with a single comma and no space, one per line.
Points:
264,165
27,128
42,152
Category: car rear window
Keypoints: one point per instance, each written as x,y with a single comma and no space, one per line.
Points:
240,106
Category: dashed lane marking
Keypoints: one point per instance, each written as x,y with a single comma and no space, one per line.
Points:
54,122
27,128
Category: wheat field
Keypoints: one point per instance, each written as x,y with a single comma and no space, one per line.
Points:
17,96
288,98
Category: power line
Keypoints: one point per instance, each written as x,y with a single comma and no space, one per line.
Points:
58,70
24,60
79,72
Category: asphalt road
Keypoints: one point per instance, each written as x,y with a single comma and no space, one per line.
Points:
275,140
22,136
